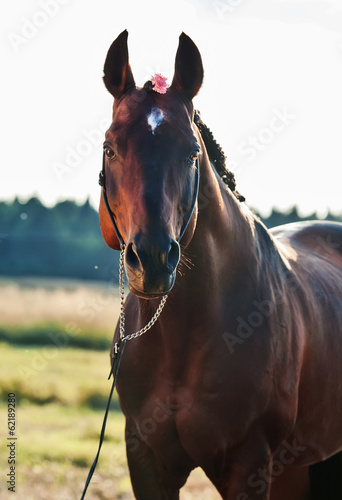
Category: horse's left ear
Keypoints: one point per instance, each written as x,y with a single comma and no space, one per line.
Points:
118,76
188,75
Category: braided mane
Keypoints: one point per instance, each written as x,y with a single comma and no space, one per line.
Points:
216,155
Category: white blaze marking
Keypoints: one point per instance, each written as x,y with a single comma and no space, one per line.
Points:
155,118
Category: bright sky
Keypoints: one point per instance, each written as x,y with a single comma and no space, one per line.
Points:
271,94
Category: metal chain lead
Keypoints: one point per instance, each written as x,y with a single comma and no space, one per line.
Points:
122,291
122,305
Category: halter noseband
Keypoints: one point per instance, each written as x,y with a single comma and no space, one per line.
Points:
102,182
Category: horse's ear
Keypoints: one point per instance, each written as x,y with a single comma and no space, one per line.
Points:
118,76
188,75
107,229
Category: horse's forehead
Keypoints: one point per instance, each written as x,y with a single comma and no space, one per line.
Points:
148,112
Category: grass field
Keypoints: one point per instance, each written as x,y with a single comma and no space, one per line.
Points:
54,351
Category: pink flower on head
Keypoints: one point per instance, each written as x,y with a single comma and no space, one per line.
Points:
159,83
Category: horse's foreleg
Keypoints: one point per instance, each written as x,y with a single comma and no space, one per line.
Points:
245,483
290,483
150,477
264,481
243,474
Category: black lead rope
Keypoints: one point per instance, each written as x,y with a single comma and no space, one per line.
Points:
114,371
120,345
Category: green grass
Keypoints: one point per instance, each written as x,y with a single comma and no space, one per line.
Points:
57,425
54,335
56,446
70,436
41,375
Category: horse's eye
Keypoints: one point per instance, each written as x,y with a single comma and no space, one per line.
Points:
194,156
109,153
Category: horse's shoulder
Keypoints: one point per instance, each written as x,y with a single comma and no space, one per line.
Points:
318,236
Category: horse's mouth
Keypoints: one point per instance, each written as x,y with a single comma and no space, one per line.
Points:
150,293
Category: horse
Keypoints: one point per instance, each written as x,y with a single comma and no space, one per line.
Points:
241,374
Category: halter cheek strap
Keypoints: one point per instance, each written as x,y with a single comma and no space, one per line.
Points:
193,204
102,182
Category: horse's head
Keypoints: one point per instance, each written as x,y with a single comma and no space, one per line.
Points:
150,164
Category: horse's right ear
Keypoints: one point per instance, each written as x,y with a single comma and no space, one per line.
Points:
118,76
188,75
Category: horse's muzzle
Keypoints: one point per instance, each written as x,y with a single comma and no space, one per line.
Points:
151,265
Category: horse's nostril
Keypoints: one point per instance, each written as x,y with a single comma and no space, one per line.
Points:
132,258
153,258
173,257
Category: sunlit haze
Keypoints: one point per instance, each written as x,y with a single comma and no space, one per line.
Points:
271,93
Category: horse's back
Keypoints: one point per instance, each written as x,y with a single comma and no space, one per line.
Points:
322,238
312,252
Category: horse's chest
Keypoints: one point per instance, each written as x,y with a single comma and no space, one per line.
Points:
183,421
195,407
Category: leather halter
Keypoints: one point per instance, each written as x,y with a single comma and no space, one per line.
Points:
102,182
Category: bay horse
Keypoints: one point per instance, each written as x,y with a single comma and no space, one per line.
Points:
241,375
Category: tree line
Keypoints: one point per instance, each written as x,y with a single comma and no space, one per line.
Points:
61,241
65,240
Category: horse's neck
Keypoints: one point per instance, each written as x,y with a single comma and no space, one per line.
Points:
225,233
233,251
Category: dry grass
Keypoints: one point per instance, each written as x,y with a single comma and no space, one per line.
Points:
45,479
41,301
